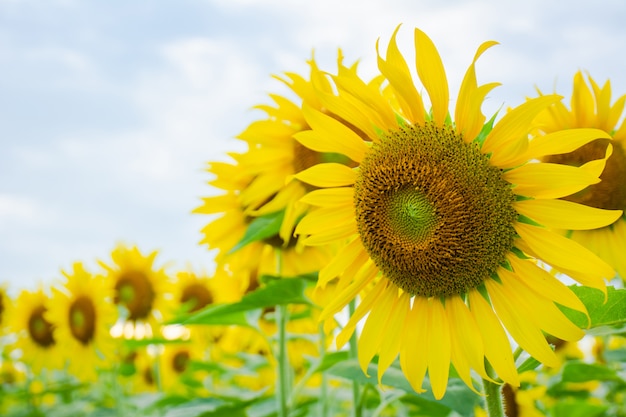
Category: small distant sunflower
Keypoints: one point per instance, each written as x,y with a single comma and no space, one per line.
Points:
592,108
139,288
445,221
174,366
83,314
144,379
36,336
260,182
193,292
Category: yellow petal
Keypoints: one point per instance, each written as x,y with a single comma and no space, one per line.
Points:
217,204
510,135
414,352
562,214
338,234
328,197
524,331
396,70
367,273
368,99
496,342
364,307
374,329
582,103
467,349
327,175
438,348
537,308
468,115
346,256
391,340
546,180
433,75
563,141
564,253
544,283
325,219
351,113
330,135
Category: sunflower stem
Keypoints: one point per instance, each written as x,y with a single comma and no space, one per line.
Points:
283,376
493,395
356,389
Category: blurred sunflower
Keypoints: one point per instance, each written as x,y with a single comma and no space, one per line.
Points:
175,371
83,314
139,288
591,108
259,186
144,379
193,292
446,220
36,336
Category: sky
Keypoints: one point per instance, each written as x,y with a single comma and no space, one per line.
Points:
109,111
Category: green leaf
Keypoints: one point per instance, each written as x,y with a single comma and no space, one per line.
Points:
458,396
332,358
578,409
139,343
604,315
528,365
277,292
583,372
260,228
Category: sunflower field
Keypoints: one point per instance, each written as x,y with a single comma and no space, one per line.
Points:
381,248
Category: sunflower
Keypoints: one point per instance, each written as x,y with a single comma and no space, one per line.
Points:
36,336
591,108
176,374
445,222
259,185
82,311
139,288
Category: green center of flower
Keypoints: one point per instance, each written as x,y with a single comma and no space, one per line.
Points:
197,295
40,330
433,214
82,319
411,215
610,192
134,290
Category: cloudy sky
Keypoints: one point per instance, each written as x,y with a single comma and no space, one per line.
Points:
110,110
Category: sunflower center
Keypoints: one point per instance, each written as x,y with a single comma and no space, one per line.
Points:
40,330
82,319
432,213
148,376
197,295
411,214
179,361
134,290
610,192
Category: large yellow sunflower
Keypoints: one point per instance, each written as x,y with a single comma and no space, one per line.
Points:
446,219
591,108
36,336
139,287
83,313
